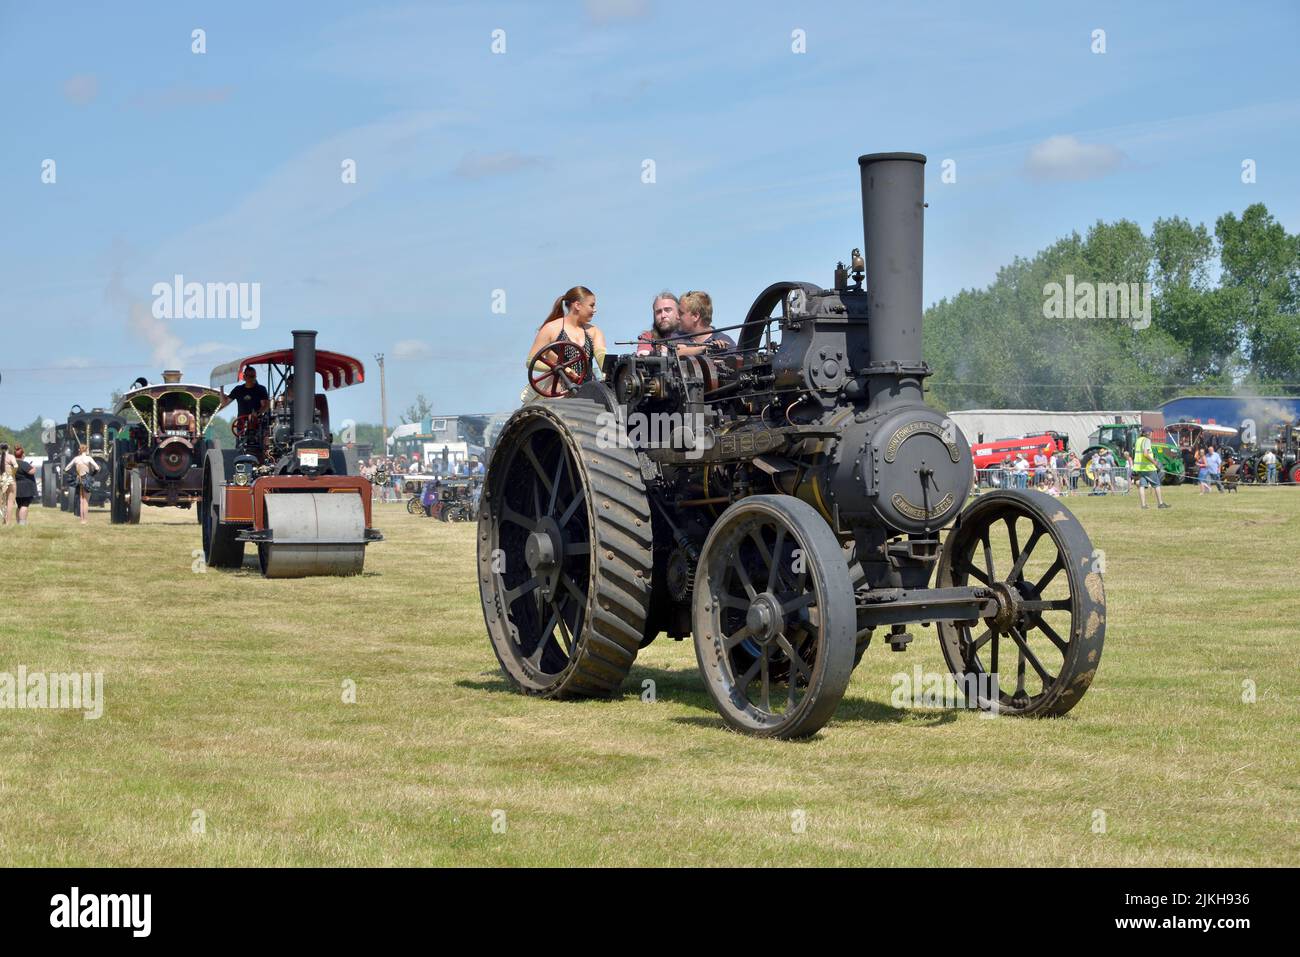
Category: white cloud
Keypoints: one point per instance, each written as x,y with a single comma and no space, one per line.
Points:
1064,158
412,350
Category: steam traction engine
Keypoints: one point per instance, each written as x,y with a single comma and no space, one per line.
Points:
286,487
794,509
159,459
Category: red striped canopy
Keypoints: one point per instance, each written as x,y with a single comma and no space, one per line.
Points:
336,370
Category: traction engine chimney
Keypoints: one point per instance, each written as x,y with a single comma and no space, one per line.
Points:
304,381
893,201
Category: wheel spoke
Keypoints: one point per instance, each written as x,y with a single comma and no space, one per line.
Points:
757,537
765,701
566,635
1056,604
796,662
730,641
1052,636
730,601
978,575
1051,573
1015,541
522,589
573,590
981,640
560,461
743,682
537,466
988,554
573,507
547,635
739,566
805,600
508,514
1027,652
1018,569
773,572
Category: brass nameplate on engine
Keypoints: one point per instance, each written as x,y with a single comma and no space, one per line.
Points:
916,428
918,513
750,442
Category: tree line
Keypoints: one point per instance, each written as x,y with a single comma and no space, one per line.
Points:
1224,318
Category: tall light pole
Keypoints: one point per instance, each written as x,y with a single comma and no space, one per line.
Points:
383,403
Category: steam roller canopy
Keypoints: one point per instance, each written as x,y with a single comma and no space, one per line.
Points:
315,533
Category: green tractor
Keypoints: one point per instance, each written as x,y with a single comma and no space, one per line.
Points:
1120,438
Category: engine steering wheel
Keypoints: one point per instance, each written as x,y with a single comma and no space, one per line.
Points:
240,423
566,366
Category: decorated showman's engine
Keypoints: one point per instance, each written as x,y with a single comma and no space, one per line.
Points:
782,502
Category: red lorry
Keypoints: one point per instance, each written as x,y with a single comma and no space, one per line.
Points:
992,454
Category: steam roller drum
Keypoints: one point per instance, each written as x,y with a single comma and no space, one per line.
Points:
315,533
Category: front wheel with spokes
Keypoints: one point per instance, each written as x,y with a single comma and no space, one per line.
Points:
774,617
1034,557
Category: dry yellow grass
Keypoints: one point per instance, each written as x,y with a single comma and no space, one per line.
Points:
224,695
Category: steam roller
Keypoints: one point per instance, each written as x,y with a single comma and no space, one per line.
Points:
286,487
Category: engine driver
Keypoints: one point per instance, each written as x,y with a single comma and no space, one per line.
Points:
252,399
697,322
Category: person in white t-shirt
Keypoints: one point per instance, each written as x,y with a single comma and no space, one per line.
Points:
1270,463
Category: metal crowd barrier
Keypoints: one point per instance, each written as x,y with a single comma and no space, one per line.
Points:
1117,480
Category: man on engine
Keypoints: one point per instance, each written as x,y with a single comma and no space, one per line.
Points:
667,320
697,322
251,396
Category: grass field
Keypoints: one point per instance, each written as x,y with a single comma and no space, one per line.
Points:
224,695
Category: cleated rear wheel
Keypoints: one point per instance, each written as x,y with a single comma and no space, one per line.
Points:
564,552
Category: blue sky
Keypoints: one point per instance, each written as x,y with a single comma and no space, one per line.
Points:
522,171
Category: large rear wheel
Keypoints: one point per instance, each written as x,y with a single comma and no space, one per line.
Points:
774,617
49,486
564,554
221,549
117,488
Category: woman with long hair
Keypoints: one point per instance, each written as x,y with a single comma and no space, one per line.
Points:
83,466
570,320
1202,471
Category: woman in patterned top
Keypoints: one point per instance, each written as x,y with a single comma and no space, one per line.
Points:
570,320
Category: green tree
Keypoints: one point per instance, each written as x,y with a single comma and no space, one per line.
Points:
1261,261
418,411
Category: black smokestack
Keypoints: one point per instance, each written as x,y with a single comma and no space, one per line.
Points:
893,200
304,381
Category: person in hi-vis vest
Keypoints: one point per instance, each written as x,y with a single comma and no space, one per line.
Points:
1144,468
